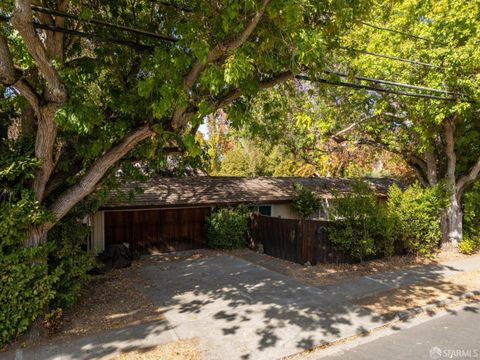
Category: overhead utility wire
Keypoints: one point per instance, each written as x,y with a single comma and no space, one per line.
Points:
400,32
415,62
172,39
148,47
123,42
393,83
189,10
376,89
104,23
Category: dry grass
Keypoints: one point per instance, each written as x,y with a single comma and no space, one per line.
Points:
112,301
109,301
322,274
429,292
179,350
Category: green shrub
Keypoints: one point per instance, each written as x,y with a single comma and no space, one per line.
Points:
69,260
361,225
34,279
25,284
305,202
469,245
416,213
471,211
227,228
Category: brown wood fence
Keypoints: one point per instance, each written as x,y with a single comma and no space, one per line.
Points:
296,240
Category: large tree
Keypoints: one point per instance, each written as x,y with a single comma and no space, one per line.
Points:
433,44
87,94
379,97
299,129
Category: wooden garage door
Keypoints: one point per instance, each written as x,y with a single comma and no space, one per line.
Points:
157,230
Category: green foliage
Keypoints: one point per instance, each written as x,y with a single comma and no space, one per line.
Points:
361,225
33,278
25,284
69,260
227,227
305,202
469,245
416,213
247,160
25,289
471,211
114,89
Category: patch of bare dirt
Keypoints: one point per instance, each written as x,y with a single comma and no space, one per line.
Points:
322,274
109,301
112,301
425,293
178,350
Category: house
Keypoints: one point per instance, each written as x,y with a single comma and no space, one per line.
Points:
169,213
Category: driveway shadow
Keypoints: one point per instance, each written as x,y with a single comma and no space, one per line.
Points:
240,310
249,312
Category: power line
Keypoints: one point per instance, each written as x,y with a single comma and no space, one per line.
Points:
104,23
415,62
394,83
376,89
172,39
401,33
118,41
143,47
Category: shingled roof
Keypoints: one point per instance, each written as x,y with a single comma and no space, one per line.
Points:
210,191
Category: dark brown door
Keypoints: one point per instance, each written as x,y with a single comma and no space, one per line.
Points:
157,230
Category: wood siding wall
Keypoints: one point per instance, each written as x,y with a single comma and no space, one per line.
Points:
296,240
162,230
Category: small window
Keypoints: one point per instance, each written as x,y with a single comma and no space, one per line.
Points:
265,210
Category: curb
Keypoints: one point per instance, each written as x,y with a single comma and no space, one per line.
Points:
410,313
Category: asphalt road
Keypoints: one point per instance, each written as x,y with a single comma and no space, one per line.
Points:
454,335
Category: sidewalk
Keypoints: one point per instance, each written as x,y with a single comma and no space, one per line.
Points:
373,284
246,311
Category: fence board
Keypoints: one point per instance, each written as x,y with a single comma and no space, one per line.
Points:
296,240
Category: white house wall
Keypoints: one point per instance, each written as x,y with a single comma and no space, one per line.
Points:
284,211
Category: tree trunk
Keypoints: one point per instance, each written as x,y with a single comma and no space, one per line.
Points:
36,235
452,229
452,223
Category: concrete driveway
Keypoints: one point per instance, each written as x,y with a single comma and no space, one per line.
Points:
240,310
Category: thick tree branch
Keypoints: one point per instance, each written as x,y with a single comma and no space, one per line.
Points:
470,177
29,93
22,21
339,135
7,69
9,76
213,55
449,127
236,93
44,146
414,161
54,96
432,171
87,184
